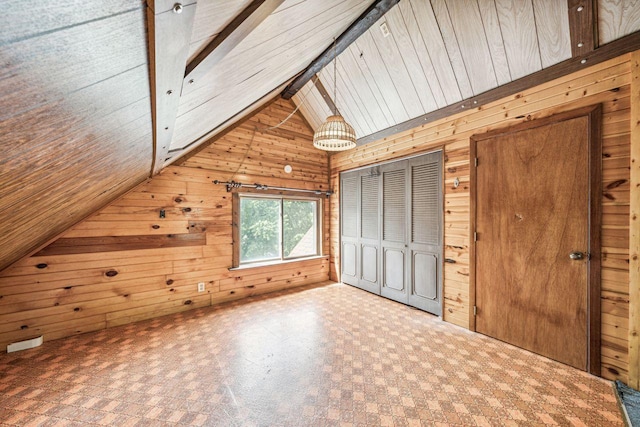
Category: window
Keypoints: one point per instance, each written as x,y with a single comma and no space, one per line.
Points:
275,228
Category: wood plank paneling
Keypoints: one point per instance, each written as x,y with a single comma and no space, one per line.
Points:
552,25
115,267
517,22
608,84
634,227
73,137
470,33
617,18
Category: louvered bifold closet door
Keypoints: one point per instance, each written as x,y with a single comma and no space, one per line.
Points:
425,236
370,230
350,256
394,231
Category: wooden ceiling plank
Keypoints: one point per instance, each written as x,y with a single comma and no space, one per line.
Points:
271,48
169,34
238,93
474,48
355,30
346,104
494,40
361,85
517,22
453,48
396,69
626,44
380,75
368,79
434,43
211,18
552,26
350,92
421,52
194,147
406,51
241,26
616,19
582,26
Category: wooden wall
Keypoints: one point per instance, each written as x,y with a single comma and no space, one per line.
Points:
607,83
75,115
125,263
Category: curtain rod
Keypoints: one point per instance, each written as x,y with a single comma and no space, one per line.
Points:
233,184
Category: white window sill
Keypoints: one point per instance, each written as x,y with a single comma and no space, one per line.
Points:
277,262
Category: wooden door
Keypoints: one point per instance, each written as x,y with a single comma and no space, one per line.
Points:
369,229
424,236
394,231
349,213
536,219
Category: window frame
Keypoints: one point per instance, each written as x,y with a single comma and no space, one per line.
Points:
281,196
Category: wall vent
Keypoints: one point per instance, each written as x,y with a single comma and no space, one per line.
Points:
24,345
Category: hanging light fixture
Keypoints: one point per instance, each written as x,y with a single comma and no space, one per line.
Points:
335,134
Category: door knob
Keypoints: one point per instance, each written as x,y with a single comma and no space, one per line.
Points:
576,255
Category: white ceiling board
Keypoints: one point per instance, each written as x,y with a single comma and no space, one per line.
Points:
421,52
280,38
517,22
212,16
397,70
552,24
453,49
493,33
467,23
407,52
356,77
617,18
370,54
345,86
428,25
348,107
225,92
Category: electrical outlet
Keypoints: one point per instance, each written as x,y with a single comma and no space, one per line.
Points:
385,29
201,287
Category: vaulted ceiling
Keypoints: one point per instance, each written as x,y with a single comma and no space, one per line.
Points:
98,95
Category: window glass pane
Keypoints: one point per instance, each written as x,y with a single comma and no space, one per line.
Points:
259,229
299,231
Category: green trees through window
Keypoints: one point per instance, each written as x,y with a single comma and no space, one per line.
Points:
277,228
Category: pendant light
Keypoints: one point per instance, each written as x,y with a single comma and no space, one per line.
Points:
335,134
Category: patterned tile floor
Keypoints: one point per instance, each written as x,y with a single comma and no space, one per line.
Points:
325,355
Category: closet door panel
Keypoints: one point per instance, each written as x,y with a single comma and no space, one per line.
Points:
349,196
394,231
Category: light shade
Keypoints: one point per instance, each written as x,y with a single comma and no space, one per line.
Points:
335,135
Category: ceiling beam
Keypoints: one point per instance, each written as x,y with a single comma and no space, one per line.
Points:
325,95
355,30
583,26
626,44
241,26
169,30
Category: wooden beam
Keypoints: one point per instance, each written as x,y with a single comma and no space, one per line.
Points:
634,228
241,26
582,26
325,95
169,36
355,30
611,50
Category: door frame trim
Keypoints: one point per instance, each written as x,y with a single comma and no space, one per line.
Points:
594,116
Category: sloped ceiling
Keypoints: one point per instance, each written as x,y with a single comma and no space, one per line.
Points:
439,52
80,91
